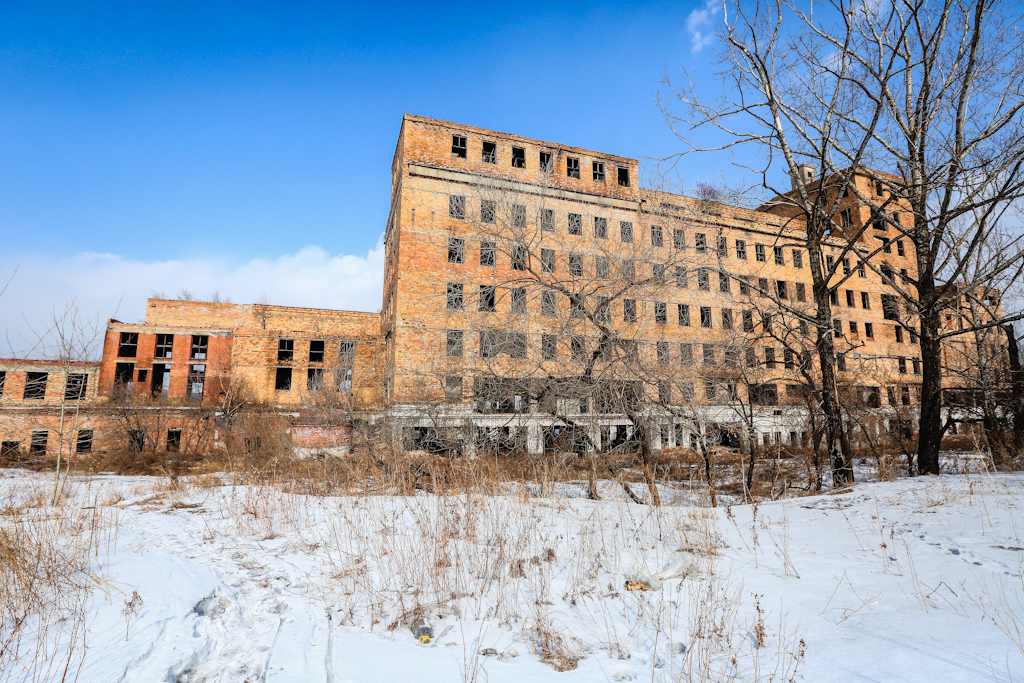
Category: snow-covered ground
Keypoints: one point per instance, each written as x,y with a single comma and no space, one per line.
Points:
913,580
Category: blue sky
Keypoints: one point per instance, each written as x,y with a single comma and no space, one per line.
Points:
189,139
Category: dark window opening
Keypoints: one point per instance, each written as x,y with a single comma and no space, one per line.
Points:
487,253
629,310
798,258
316,350
660,313
83,444
283,379
705,317
164,346
601,228
457,207
546,164
741,249
285,349
547,304
314,379
161,380
518,216
456,250
346,352
575,224
626,231
124,373
136,440
547,220
455,296
489,154
487,293
35,383
572,167
459,146
196,382
173,440
684,315
657,236
3,381
575,265
547,260
700,242
598,171
623,177
38,443
488,210
518,300
518,157
780,259
200,344
549,347
9,449
76,384
759,252
678,239
129,345
520,257
453,388
724,283
453,343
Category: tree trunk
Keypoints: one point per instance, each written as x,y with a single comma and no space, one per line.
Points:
1017,388
753,459
929,435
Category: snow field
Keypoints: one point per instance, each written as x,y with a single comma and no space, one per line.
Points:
916,580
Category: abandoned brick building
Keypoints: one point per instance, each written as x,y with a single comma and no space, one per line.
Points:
510,265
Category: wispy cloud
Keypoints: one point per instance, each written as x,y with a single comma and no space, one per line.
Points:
699,24
108,285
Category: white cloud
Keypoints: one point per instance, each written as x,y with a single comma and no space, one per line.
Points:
108,285
699,24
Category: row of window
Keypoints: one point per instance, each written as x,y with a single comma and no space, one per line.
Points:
545,160
126,377
75,385
314,379
84,442
128,346
316,351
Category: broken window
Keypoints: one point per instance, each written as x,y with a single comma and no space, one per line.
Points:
37,445
487,298
173,440
662,351
200,343
602,268
759,253
845,218
283,379
195,382
748,321
764,395
35,385
853,328
316,350
164,346
314,379
577,306
489,154
457,207
575,224
890,307
547,303
547,260
129,345
726,319
598,171
780,289
681,277
723,282
3,380
702,280
520,258
686,353
572,167
850,301
285,349
869,330
455,296
626,231
575,265
899,334
629,310
657,236
577,348
628,270
798,258
741,249
547,220
751,357
769,358
546,164
902,362
456,250
658,273
684,315
453,343
518,157
623,177
518,300
705,316
709,354
549,346
161,381
124,373
83,444
762,286
700,241
136,440
487,253
660,313
75,386
801,292
453,388
459,146
780,259
679,239
518,216
600,227
899,248
744,281
488,210
343,380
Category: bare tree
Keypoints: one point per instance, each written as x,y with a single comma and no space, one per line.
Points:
931,94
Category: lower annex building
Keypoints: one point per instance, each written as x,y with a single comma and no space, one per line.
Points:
533,293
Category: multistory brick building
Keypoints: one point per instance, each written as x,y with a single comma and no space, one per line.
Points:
510,261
